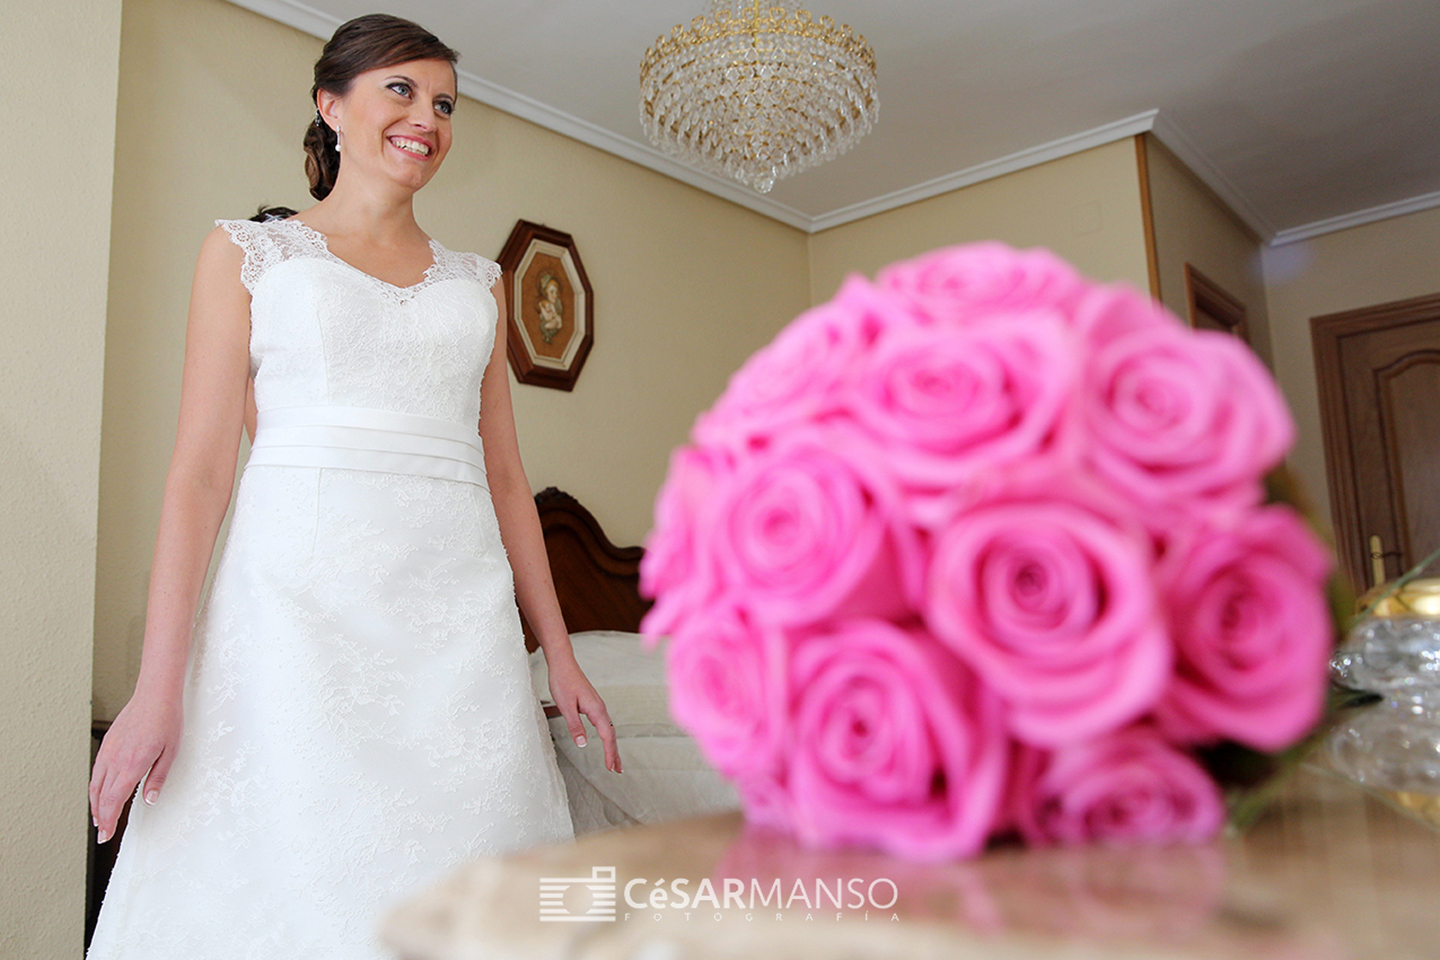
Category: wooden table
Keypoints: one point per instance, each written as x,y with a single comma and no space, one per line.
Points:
1330,871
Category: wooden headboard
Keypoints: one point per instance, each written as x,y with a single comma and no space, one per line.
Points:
597,582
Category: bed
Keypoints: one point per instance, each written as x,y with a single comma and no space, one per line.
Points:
598,587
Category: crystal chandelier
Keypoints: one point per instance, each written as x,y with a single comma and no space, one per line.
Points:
758,90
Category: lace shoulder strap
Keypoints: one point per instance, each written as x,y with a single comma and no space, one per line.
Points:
476,266
274,241
258,243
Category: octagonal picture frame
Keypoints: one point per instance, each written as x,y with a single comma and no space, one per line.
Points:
551,316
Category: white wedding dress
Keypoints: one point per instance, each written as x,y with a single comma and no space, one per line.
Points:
358,714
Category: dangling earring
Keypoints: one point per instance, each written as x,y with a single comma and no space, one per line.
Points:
337,141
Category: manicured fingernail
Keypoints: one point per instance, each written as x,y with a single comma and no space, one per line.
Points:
94,821
104,835
152,796
579,741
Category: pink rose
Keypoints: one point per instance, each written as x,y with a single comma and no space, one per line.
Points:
894,745
948,410
799,376
806,531
673,571
1183,414
1252,632
1052,602
1107,312
727,688
1126,787
967,283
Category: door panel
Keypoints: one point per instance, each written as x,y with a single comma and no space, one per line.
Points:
1409,392
1379,376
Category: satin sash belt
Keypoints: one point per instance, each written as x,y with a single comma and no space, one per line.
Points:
356,438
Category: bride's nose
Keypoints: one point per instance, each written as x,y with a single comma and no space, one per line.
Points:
423,117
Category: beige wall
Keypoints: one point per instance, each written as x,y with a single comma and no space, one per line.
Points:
1391,260
1193,226
212,107
205,128
1085,207
53,266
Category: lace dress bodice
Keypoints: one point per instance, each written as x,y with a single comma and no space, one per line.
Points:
324,332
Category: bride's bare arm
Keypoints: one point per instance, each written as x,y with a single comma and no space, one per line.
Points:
145,734
525,545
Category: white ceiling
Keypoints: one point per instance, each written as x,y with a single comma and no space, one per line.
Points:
1305,115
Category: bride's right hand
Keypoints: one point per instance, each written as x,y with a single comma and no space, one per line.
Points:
141,741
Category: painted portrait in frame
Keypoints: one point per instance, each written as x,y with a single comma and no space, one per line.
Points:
552,307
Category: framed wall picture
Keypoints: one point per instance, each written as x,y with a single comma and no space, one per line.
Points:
552,308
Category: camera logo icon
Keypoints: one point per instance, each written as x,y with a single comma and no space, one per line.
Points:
601,885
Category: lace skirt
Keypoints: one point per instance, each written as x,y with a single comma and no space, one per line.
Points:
359,719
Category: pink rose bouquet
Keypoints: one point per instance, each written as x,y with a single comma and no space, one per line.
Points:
982,548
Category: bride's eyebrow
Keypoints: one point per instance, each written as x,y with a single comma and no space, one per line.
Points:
442,95
413,83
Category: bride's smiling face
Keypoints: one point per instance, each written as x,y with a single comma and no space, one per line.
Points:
394,122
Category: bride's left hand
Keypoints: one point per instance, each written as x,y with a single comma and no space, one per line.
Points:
574,695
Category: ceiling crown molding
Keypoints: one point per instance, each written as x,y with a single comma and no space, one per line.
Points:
294,14
1384,211
308,20
1170,134
1023,159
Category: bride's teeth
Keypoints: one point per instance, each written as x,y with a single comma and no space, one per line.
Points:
411,147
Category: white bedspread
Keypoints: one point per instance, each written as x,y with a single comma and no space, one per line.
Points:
665,776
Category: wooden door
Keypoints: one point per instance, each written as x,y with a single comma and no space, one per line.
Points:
1211,308
1379,377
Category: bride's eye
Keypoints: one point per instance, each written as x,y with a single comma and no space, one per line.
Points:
400,87
446,107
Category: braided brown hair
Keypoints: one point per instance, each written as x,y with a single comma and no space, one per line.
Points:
365,43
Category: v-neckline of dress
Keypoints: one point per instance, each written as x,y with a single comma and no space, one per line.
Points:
322,243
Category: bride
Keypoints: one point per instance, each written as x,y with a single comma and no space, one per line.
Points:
355,702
